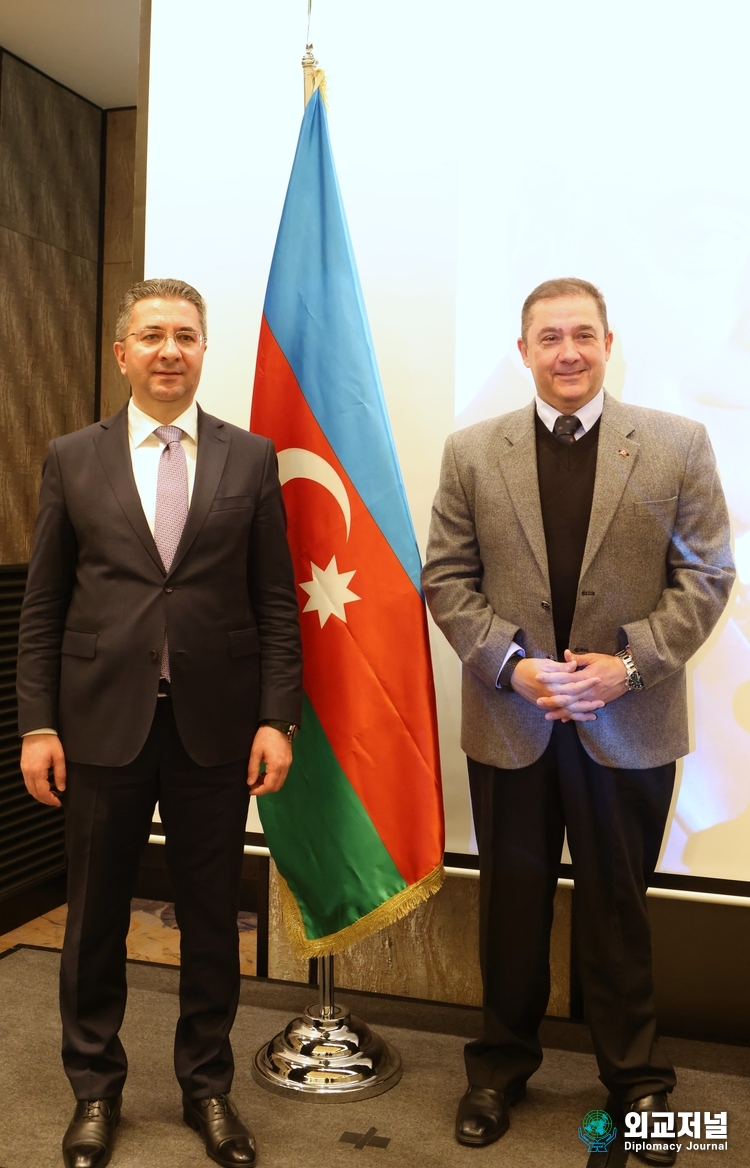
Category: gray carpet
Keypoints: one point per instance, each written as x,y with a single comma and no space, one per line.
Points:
417,1115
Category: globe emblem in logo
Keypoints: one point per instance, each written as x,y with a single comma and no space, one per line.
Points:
597,1131
597,1124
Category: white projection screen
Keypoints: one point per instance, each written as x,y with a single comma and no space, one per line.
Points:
482,148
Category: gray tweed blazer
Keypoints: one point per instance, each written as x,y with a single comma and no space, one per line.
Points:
656,574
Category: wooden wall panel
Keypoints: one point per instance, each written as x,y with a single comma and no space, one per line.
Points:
117,273
119,185
431,954
50,146
47,356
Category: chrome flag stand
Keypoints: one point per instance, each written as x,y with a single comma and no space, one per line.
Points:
327,1055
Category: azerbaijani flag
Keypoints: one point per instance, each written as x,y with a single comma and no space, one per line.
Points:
357,830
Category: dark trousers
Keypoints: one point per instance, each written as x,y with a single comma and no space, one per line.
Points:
615,820
108,812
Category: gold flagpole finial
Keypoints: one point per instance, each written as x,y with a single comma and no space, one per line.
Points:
315,77
309,69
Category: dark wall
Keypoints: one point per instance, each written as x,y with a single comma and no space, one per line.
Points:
50,180
66,228
31,835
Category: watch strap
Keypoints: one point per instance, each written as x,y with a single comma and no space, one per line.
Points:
505,674
633,681
287,728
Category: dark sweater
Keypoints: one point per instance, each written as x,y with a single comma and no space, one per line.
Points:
566,489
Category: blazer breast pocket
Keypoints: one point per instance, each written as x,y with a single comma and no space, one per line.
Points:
231,502
244,643
655,516
75,644
662,510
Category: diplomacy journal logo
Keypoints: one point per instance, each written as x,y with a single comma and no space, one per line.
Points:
657,1131
597,1131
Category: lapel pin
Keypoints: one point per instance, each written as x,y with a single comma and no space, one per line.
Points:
624,453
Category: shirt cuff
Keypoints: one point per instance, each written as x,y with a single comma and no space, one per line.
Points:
513,648
44,730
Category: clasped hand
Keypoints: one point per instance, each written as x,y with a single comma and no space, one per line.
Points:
573,689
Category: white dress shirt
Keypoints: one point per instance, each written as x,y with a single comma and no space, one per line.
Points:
145,452
587,415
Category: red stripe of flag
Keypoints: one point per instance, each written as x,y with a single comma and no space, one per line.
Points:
379,723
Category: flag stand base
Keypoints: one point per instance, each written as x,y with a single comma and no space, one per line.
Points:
327,1055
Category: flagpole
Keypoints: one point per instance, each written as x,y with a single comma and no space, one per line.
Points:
313,76
326,1055
326,986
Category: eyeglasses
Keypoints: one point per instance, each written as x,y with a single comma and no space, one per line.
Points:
153,338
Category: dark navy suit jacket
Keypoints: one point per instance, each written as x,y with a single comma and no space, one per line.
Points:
98,601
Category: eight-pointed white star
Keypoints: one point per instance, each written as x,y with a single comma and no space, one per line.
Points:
328,592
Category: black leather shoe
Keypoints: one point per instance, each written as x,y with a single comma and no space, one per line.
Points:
482,1115
88,1141
658,1152
227,1140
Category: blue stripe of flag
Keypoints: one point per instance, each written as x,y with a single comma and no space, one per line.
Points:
315,310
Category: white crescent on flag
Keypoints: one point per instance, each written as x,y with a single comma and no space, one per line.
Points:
297,463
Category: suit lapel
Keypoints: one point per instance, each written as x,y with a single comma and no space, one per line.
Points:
616,457
213,448
517,460
113,448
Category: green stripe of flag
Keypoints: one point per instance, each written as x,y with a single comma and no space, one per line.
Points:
322,839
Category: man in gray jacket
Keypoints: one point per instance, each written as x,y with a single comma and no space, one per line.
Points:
579,555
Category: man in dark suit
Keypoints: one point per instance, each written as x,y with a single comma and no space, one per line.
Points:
579,555
159,660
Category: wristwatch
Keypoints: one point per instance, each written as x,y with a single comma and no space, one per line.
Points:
505,674
287,728
634,680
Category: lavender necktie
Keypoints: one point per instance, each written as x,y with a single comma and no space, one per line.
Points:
171,505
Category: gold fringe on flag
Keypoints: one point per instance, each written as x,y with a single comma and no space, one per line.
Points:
385,914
